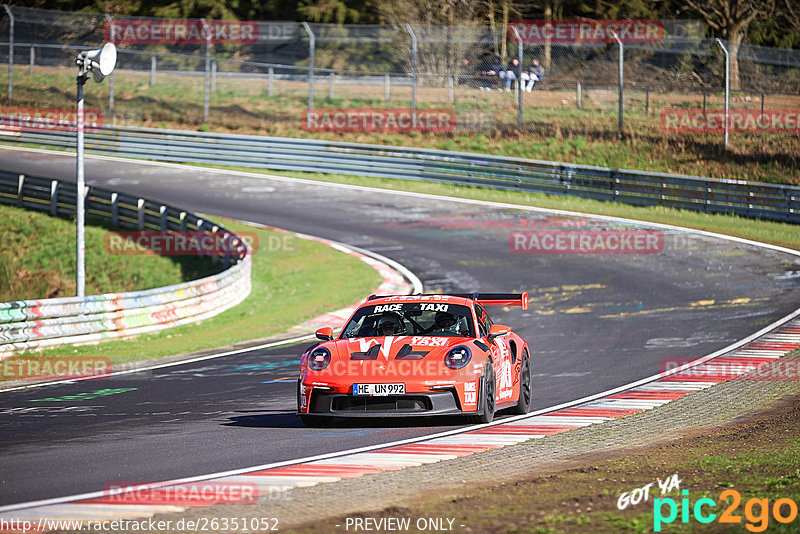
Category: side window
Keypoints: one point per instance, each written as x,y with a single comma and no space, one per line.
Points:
483,320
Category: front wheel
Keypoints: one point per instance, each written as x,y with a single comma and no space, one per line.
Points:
488,388
524,404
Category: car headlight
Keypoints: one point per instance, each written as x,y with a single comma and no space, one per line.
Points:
319,359
457,357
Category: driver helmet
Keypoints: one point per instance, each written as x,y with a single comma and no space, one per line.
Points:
389,325
445,319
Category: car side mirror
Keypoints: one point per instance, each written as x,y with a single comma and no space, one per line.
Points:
325,333
498,330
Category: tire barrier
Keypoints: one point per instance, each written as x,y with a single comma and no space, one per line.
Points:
37,324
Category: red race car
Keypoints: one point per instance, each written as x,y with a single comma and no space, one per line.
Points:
417,355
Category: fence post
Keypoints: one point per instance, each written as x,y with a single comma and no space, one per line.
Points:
621,80
207,84
115,209
647,100
450,84
54,198
33,58
727,90
153,67
10,50
519,79
410,31
762,104
270,80
705,93
311,48
140,214
387,81
213,76
580,97
330,88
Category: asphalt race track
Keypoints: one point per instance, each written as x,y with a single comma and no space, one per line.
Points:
596,321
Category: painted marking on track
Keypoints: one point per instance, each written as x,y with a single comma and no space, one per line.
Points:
282,379
85,396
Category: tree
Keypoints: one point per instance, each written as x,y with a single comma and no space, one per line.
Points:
336,11
730,19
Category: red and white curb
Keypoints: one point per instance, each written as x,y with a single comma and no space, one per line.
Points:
276,478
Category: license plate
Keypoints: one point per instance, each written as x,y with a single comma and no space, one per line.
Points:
379,390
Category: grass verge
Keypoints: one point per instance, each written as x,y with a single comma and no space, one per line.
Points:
776,233
758,458
37,260
293,282
554,129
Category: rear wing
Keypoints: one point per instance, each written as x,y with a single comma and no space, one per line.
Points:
497,299
487,299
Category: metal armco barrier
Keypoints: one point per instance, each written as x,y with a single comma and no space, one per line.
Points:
747,199
36,324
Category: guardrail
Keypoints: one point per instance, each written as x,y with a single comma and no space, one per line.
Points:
36,324
748,199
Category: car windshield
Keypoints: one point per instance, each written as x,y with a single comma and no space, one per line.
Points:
410,319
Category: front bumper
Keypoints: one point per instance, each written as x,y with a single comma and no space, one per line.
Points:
410,405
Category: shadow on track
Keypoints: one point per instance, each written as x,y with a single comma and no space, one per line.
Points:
288,419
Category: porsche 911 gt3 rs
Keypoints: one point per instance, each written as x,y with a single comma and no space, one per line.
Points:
415,355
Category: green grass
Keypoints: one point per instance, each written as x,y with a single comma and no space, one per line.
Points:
37,260
291,283
554,129
776,233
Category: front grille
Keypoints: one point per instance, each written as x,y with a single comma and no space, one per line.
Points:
367,404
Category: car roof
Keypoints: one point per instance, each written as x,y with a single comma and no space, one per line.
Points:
404,299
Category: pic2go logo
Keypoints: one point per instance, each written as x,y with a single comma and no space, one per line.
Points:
756,511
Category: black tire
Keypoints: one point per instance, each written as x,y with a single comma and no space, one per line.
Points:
488,391
525,392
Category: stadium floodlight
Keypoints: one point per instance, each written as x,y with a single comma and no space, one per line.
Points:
100,63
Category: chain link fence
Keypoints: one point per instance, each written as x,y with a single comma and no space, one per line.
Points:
267,76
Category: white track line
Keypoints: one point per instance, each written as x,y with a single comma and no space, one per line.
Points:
450,436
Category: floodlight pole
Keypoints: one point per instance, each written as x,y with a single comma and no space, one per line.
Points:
80,247
727,90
